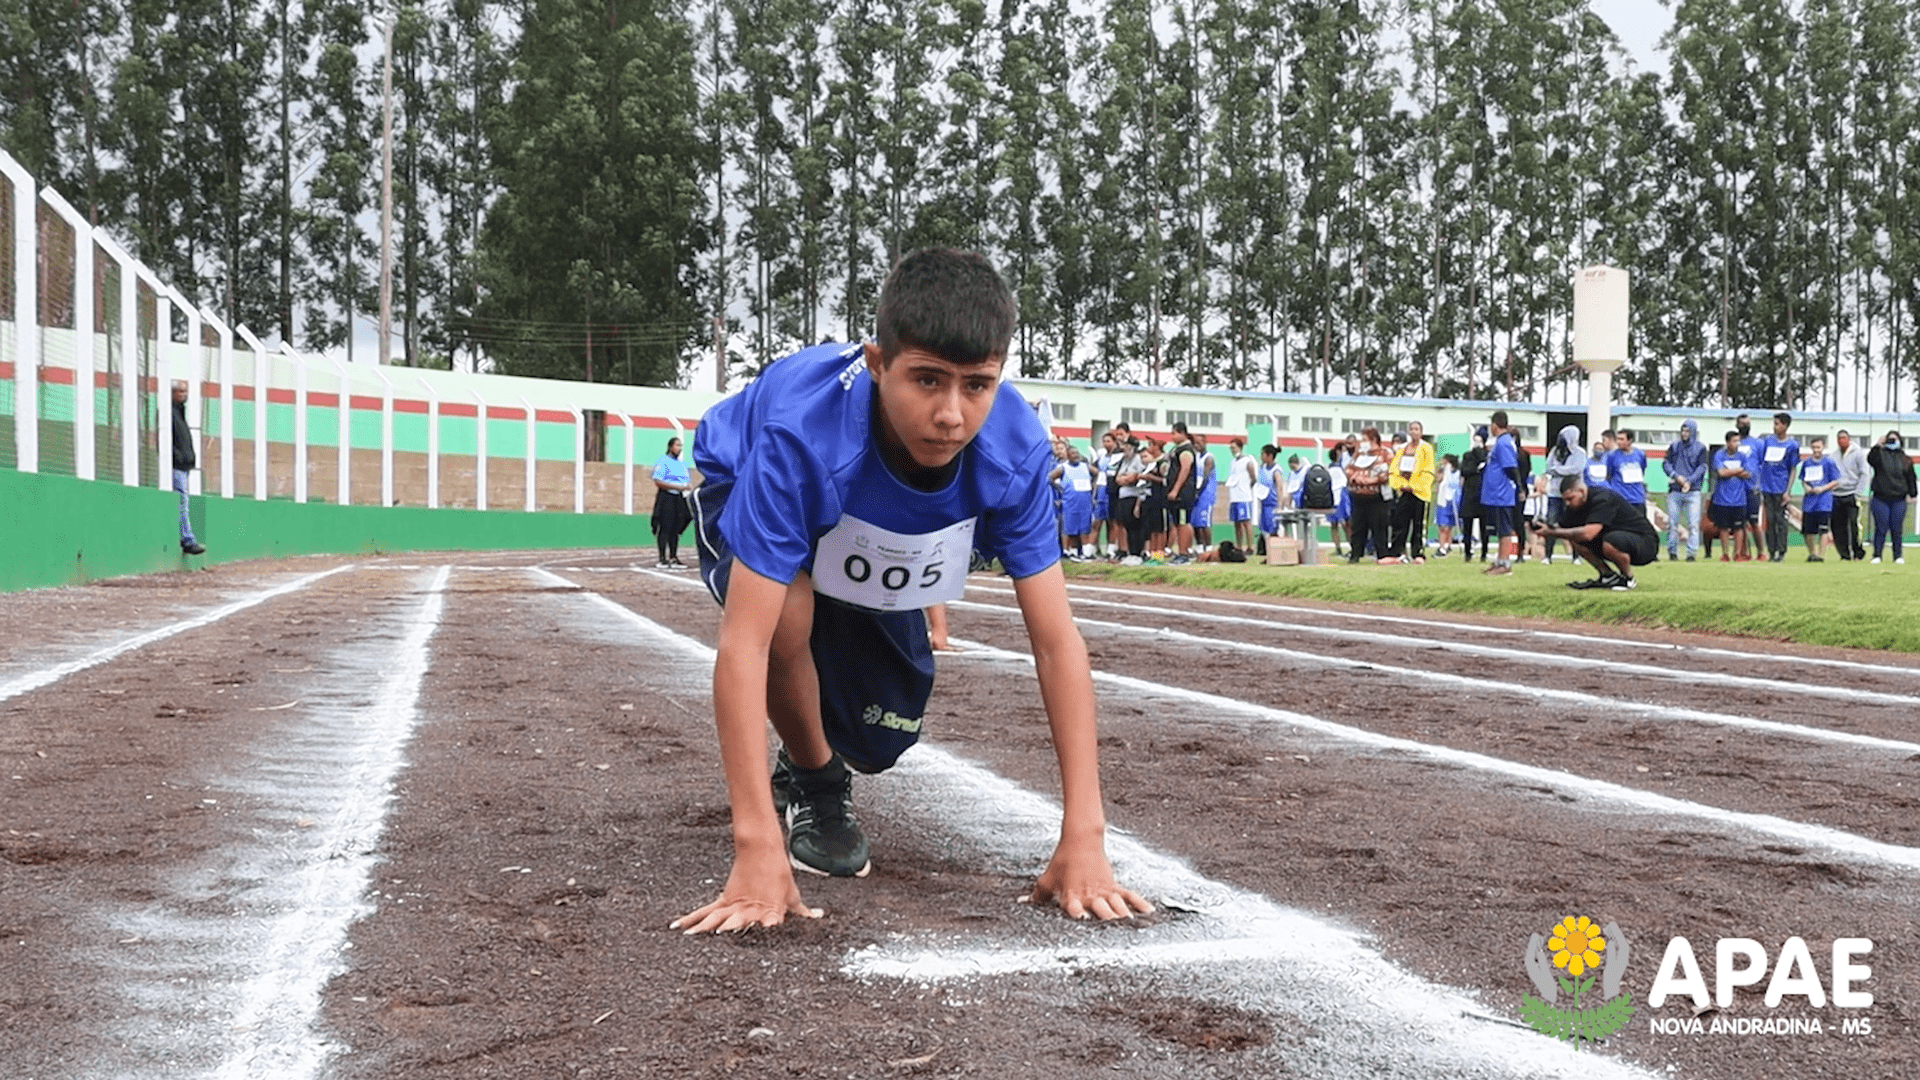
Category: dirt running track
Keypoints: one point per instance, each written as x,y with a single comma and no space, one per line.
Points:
420,818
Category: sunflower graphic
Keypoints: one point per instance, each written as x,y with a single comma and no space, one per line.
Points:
1577,945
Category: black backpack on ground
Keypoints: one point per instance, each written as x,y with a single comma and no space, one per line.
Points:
1316,489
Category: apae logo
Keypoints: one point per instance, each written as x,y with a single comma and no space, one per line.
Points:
1577,946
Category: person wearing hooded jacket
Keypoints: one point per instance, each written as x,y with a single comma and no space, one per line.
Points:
1473,467
1564,460
1686,469
1893,487
185,460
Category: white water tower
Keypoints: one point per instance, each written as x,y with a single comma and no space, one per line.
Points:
1601,301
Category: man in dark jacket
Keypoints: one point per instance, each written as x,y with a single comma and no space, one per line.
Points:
185,460
1610,533
1473,467
1893,487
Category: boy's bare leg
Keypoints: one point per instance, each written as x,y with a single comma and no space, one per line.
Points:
793,684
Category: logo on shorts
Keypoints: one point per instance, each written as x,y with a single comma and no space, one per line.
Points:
875,716
1562,963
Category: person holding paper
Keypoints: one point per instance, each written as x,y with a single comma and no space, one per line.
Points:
1779,458
1627,470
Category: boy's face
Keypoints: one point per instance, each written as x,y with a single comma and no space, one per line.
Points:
931,408
1819,449
1624,441
1733,443
1779,429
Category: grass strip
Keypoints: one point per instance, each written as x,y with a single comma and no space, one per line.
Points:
1849,605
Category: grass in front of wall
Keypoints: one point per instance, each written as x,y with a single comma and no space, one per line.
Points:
1846,604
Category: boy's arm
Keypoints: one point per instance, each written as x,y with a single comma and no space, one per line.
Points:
1079,877
760,890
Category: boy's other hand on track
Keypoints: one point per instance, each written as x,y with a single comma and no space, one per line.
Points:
1080,879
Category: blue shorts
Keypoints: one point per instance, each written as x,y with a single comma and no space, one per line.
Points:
1076,513
1270,517
1203,511
875,667
1446,516
1101,509
1498,519
1239,511
1342,509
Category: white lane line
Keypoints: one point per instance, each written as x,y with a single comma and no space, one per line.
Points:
1845,693
1497,686
1847,845
1374,1012
1438,623
231,986
34,680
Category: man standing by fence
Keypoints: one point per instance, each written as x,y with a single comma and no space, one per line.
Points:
185,460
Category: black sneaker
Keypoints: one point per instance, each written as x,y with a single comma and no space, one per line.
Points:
1671,557
1690,558
1589,583
1619,582
822,836
192,549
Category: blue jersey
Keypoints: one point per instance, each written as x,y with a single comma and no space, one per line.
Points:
1812,475
1777,460
671,469
1627,474
1729,490
1496,484
799,450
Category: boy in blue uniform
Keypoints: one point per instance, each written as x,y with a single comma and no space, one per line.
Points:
1819,475
1498,487
1627,469
846,489
1779,458
1728,507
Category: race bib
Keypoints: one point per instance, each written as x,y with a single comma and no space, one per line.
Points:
1082,482
1364,461
1597,471
1631,473
1776,454
1406,465
875,568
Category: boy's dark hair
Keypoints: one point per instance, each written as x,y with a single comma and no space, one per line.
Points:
1784,418
950,303
1499,418
1180,427
1607,434
1568,483
1730,435
1625,434
1451,459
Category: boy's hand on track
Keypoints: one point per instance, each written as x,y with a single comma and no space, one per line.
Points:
1080,879
760,892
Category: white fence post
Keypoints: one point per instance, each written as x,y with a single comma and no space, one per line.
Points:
83,411
162,381
626,487
262,389
579,459
532,503
26,318
386,437
480,455
129,361
299,423
344,481
433,443
227,471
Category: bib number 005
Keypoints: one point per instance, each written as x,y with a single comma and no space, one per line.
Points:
862,563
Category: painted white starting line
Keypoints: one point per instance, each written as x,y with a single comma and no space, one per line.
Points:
241,987
34,680
1496,686
1242,943
1443,624
1838,842
1520,656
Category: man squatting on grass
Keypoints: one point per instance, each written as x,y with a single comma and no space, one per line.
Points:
1610,532
846,490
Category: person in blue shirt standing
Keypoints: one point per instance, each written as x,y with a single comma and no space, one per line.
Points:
1498,487
1819,476
845,491
671,482
1779,458
1686,469
1268,484
1203,498
1074,480
1627,469
1755,543
1728,510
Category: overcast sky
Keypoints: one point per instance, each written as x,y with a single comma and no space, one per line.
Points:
1639,24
